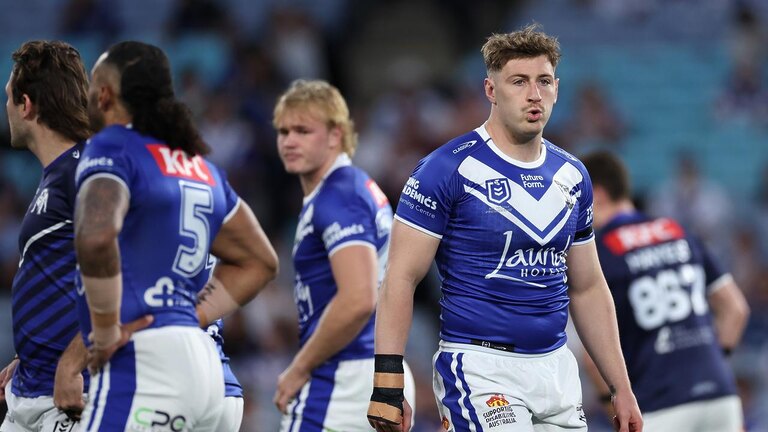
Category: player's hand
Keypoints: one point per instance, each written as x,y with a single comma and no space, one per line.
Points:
288,385
628,418
99,356
68,384
400,423
5,376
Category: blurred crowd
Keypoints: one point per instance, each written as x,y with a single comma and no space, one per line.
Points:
412,73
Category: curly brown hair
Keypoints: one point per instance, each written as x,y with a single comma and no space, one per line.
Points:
527,42
52,75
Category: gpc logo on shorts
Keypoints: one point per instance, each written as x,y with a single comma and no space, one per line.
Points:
151,418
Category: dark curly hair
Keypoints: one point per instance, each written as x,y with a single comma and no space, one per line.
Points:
52,75
146,88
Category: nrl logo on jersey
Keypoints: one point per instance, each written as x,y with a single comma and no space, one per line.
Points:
41,202
498,190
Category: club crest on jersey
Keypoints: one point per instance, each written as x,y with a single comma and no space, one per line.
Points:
498,190
41,202
570,200
176,163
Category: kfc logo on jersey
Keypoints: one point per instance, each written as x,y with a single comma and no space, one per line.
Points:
498,190
176,163
631,237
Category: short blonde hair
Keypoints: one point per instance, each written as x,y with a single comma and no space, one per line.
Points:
527,42
319,98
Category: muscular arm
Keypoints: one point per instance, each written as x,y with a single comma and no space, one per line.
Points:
68,383
410,255
247,262
355,272
594,316
730,310
101,207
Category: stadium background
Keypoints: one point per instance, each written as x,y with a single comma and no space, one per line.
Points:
677,87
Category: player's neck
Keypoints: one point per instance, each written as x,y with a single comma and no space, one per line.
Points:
310,180
609,211
47,145
520,148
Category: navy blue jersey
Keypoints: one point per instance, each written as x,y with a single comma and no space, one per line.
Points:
232,386
43,299
178,204
505,228
660,278
346,208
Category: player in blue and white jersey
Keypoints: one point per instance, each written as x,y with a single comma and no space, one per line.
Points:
46,106
339,254
678,311
149,212
507,216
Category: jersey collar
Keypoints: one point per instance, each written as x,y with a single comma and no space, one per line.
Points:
528,165
342,160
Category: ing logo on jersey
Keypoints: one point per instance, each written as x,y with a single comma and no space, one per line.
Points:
176,163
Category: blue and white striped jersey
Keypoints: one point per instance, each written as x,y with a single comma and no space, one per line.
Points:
43,298
505,228
178,204
346,208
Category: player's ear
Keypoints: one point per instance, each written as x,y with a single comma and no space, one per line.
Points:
28,109
490,89
336,135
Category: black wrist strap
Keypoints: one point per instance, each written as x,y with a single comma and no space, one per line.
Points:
388,363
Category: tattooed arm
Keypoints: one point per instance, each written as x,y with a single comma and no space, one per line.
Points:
247,262
101,207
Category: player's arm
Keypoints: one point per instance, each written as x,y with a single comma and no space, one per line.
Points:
102,203
410,256
594,316
68,382
730,310
355,272
247,261
601,388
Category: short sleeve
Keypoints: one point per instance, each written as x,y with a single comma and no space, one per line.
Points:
714,274
426,200
104,155
343,221
584,232
231,198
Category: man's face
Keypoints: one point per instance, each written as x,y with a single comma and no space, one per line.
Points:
524,92
20,134
305,142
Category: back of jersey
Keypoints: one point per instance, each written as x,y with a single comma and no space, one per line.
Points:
660,278
177,206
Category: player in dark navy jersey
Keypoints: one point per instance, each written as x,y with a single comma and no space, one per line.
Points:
46,106
150,209
339,254
507,217
678,311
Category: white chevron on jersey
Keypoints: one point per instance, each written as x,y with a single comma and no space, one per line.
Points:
540,213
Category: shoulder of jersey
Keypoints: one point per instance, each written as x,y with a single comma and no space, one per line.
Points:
562,154
114,135
450,154
344,180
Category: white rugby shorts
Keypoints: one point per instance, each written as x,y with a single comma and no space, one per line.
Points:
336,398
34,415
716,415
480,388
168,378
